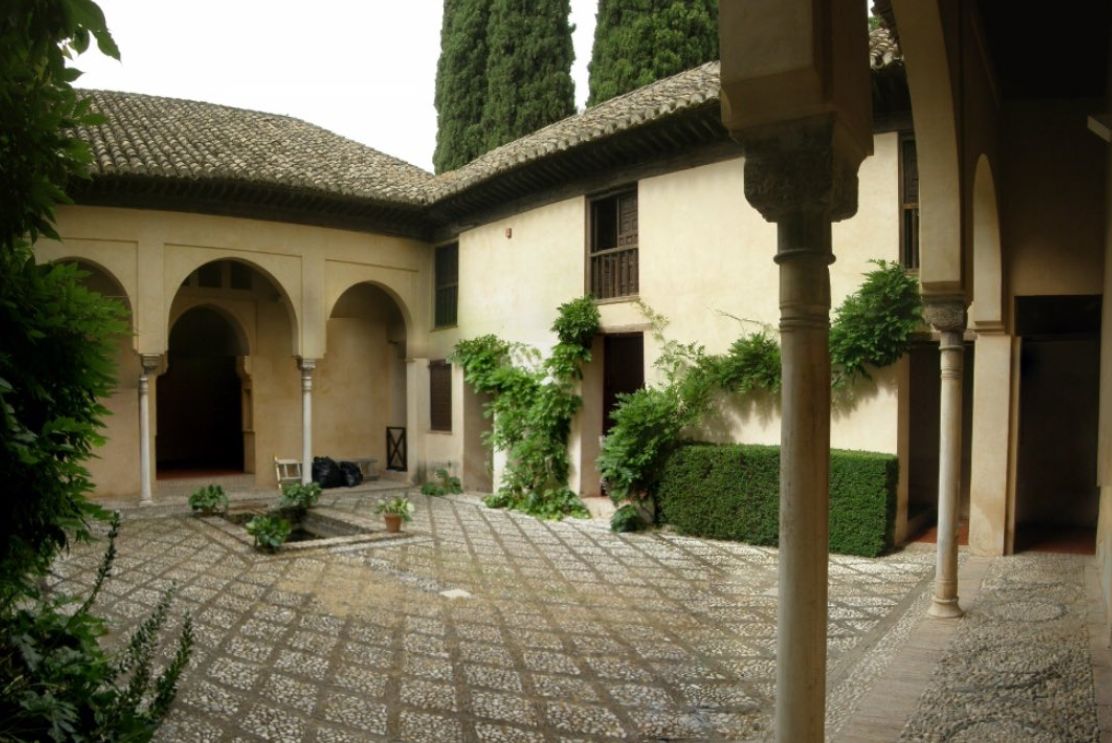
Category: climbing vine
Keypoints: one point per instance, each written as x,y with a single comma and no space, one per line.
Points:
872,327
532,405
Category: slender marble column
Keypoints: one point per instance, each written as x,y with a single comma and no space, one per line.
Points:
307,366
800,179
150,364
804,255
948,317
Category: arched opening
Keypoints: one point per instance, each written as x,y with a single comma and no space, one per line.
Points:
113,469
227,401
200,415
359,392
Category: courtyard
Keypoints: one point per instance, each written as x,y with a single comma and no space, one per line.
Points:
493,626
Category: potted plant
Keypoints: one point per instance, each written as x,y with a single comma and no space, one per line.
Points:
209,500
394,512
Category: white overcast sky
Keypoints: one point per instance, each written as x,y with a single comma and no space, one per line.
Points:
365,69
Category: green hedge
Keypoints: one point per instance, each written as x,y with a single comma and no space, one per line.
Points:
733,492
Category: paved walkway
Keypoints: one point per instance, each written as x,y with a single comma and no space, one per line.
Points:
567,632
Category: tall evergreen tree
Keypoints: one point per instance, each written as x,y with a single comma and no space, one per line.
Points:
640,41
528,73
461,83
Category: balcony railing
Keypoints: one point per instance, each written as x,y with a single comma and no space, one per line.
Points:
614,273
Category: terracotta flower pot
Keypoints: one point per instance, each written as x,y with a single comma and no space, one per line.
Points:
393,522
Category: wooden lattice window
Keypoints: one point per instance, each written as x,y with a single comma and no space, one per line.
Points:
440,396
909,203
447,284
613,235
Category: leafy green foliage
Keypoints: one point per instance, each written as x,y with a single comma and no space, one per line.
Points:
442,485
56,683
58,337
532,404
39,109
300,497
873,326
640,41
56,361
399,506
528,69
269,530
461,83
626,518
577,323
733,492
209,499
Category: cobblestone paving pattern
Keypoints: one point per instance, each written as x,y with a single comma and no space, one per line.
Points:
571,633
1018,669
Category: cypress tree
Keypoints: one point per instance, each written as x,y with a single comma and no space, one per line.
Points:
528,72
640,41
461,83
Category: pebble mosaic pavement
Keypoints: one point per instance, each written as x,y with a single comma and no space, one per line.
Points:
571,633
1019,668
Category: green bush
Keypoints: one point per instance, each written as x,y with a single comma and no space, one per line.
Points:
532,405
270,532
299,497
209,499
444,484
733,492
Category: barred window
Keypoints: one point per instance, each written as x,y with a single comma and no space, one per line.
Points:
613,235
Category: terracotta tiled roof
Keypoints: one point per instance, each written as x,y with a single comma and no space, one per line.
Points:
203,142
668,97
177,139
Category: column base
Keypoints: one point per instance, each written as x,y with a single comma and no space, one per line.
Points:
945,609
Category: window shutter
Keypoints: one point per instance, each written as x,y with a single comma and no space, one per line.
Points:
440,396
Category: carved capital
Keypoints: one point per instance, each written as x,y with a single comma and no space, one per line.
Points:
945,314
306,365
150,362
800,167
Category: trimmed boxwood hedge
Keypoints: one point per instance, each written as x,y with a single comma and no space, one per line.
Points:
733,492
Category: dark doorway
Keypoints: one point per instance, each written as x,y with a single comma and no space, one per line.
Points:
200,415
1056,470
623,371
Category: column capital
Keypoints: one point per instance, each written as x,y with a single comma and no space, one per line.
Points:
306,365
945,313
150,362
799,168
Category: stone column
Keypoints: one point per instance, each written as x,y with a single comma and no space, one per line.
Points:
947,315
307,366
798,179
150,364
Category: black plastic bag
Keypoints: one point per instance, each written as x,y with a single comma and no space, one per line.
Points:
352,475
326,473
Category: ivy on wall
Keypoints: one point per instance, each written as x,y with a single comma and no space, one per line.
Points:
532,405
872,327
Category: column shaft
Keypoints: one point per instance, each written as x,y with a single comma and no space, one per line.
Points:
804,255
307,366
145,495
149,364
945,601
